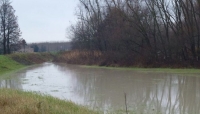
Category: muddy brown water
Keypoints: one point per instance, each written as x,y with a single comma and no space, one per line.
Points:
104,89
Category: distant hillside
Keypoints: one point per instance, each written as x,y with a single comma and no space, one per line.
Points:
50,46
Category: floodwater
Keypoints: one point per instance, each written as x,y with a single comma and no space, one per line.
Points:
105,89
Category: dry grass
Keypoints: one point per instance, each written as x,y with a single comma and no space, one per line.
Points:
18,102
86,57
31,58
79,57
118,59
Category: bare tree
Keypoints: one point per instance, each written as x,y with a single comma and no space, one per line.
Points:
10,31
156,31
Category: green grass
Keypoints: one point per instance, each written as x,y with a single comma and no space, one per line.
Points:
18,102
7,64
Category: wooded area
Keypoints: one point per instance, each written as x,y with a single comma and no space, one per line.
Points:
9,29
147,31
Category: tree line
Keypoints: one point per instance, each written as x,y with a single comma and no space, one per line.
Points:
9,29
50,46
162,31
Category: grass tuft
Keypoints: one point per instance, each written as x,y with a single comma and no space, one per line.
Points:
19,102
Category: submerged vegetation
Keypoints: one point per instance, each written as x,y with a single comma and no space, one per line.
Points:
155,70
18,102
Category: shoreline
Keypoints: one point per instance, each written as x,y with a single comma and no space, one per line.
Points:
168,70
103,59
23,102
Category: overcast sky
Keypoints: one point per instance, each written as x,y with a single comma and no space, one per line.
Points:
44,20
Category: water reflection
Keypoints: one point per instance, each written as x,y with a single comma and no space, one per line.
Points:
10,84
147,92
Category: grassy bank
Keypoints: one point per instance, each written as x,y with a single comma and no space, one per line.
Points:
18,102
31,58
16,61
7,64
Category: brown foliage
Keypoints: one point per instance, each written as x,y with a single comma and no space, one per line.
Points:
116,59
79,57
31,58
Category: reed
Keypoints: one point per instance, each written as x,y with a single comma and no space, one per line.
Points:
79,57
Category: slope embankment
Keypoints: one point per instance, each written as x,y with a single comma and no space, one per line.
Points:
17,61
7,64
31,58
